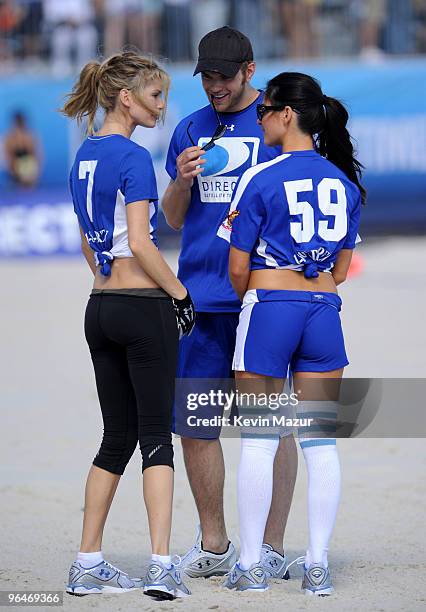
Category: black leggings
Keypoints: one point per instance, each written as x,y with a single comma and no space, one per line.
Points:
133,342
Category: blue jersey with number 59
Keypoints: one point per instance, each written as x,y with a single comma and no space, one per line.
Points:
108,173
294,212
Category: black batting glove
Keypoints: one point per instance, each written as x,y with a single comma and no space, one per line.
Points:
185,315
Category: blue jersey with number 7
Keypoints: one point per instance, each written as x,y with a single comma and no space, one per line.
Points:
110,172
294,212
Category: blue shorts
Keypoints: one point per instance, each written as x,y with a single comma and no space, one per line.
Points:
208,351
300,330
205,354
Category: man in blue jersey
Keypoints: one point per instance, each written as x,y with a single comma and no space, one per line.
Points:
197,199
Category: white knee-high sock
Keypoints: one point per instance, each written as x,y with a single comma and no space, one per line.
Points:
255,477
322,463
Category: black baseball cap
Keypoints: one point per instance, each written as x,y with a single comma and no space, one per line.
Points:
223,50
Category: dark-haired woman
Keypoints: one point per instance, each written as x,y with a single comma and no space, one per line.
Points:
292,226
130,322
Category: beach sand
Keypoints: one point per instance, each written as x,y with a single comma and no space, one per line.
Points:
51,426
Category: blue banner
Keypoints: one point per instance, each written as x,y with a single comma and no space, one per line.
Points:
387,106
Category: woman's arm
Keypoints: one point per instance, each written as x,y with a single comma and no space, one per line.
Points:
239,270
147,253
175,204
87,252
341,267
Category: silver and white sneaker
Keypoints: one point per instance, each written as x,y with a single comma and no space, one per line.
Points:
165,583
102,578
317,581
274,564
252,579
199,563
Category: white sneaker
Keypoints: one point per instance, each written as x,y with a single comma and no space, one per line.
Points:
199,563
102,578
316,578
317,581
165,583
274,564
252,579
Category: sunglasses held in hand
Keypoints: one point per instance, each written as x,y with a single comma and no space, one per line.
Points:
219,132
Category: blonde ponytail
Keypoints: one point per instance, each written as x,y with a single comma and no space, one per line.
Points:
83,101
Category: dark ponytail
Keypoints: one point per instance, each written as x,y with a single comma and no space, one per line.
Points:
322,117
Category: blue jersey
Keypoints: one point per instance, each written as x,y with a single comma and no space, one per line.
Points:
108,173
203,262
294,212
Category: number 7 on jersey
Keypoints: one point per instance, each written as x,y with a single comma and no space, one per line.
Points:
88,168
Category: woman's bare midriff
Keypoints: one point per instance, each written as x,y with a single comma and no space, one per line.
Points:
291,280
126,273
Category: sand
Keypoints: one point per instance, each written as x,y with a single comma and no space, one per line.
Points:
50,432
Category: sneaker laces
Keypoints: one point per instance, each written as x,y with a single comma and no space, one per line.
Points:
111,566
176,560
194,548
298,561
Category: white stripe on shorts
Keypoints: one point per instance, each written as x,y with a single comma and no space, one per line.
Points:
250,299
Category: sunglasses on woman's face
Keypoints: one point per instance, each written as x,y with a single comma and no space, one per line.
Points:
262,109
219,132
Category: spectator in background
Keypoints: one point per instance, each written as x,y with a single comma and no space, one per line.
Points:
299,24
10,17
207,15
373,17
251,16
29,31
149,35
72,33
177,30
133,22
99,24
399,30
419,7
22,152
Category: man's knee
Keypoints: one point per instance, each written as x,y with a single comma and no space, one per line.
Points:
190,445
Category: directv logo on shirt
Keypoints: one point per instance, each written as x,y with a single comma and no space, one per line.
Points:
225,163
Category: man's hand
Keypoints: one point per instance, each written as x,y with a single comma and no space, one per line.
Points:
188,165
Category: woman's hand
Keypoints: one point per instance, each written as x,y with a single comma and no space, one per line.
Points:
185,314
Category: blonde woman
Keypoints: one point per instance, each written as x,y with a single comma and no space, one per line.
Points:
134,315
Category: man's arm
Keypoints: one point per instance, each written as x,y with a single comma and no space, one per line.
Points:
177,197
239,270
